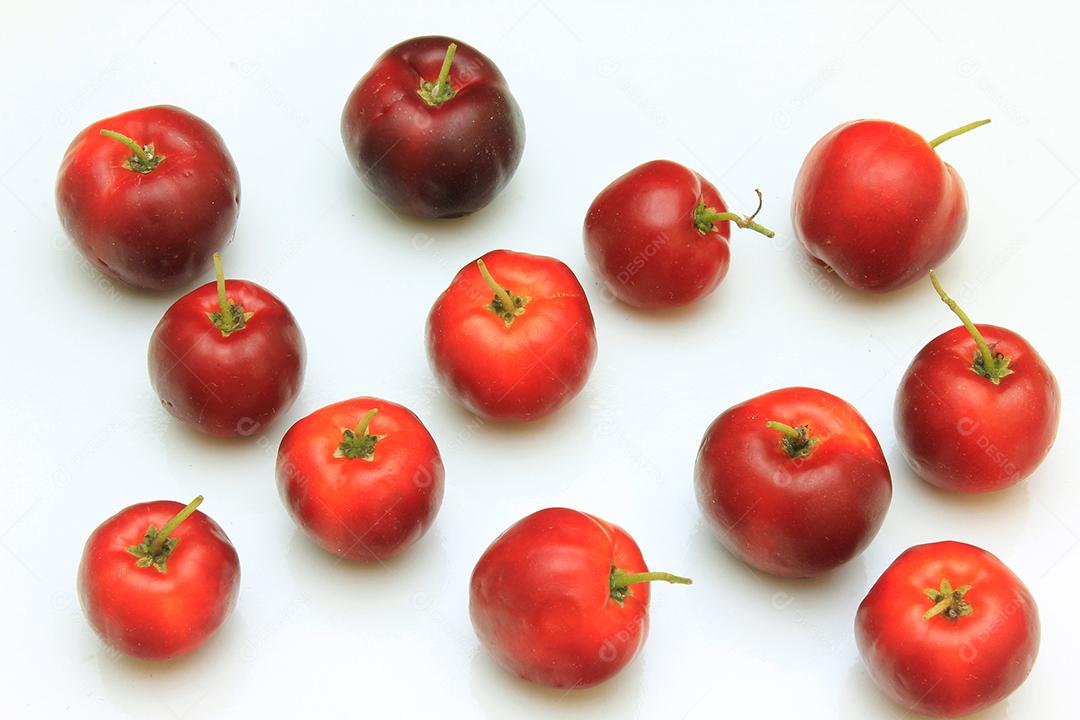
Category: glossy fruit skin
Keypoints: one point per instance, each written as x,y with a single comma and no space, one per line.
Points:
356,508
961,432
439,162
640,237
227,386
540,599
948,667
523,371
792,516
874,202
146,613
153,231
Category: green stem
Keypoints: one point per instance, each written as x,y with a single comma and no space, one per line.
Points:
498,289
228,322
796,440
958,131
444,71
948,602
361,430
163,534
705,217
438,92
620,581
994,366
136,148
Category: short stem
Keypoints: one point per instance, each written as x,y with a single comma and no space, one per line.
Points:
958,131
444,71
228,323
163,534
362,426
138,150
623,579
989,362
787,430
499,290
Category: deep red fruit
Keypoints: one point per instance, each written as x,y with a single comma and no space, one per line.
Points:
793,482
875,202
977,409
513,337
157,579
658,235
948,630
227,358
432,128
362,477
148,196
561,598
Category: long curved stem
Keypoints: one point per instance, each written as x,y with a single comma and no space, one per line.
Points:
958,131
444,71
984,349
622,579
499,290
138,150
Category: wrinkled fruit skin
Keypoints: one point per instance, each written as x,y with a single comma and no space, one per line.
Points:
793,516
946,667
227,386
640,237
961,432
153,231
540,599
874,202
443,161
148,614
521,371
353,507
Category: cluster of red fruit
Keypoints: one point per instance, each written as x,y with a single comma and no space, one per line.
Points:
793,482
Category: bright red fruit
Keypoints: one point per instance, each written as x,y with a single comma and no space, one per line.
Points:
561,598
157,579
362,477
658,235
432,128
227,358
513,337
977,409
793,482
148,196
875,202
948,630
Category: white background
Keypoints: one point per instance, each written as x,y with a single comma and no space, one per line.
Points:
738,91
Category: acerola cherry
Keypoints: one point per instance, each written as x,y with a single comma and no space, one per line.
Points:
875,202
227,358
432,128
948,630
513,337
561,598
148,196
793,482
977,409
157,579
362,477
658,235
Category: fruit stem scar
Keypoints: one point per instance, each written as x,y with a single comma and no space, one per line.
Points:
958,131
796,441
620,581
506,305
948,602
991,365
359,443
143,159
438,92
705,217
